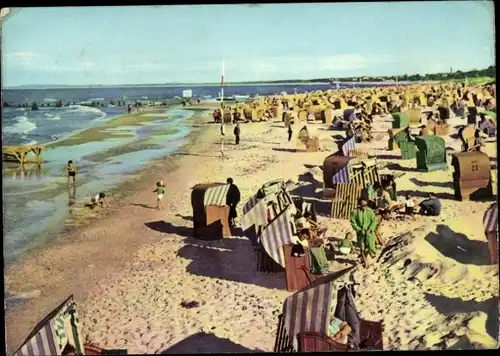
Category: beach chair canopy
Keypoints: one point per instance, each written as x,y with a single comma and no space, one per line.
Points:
54,332
216,195
490,219
255,209
276,234
309,309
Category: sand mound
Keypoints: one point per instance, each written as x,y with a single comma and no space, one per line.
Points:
427,302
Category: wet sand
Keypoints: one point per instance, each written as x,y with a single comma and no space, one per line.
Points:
130,268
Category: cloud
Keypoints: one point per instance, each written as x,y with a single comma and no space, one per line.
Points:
24,59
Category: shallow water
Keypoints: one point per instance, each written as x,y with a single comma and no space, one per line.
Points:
37,206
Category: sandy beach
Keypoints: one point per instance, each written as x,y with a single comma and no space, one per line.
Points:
130,268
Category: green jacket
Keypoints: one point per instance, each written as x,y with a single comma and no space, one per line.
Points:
364,221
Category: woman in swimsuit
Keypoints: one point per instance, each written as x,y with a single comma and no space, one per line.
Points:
72,172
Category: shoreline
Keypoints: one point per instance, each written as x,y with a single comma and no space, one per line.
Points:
132,179
65,240
77,214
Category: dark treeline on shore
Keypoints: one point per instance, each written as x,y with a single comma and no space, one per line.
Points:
452,75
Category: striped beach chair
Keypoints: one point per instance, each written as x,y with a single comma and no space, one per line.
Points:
277,234
210,211
306,315
52,335
349,145
490,221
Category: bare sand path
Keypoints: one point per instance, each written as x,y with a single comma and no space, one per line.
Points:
130,271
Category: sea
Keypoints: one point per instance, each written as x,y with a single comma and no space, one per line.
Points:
37,203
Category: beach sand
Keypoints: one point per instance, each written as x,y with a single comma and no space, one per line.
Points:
130,271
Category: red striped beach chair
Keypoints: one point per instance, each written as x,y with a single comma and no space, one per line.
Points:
306,314
490,221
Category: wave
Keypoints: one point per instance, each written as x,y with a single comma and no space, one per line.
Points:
84,108
96,99
20,109
49,100
87,109
52,117
23,126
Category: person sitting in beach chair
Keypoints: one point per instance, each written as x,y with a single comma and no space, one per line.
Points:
385,203
486,126
99,200
338,330
479,139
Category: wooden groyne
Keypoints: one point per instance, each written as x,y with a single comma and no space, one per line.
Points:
19,154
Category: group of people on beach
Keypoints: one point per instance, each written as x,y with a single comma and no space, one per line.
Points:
100,198
97,200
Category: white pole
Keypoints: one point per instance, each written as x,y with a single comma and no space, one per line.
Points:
222,85
222,105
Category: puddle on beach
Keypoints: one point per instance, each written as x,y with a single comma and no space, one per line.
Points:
43,196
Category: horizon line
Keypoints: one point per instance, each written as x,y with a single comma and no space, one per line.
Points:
277,81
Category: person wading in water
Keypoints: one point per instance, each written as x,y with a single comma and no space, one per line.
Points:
237,132
71,170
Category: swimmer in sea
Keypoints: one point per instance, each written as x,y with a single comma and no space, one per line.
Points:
72,172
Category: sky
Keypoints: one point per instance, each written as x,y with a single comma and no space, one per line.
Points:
186,44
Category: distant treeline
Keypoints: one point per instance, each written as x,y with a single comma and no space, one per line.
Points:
456,75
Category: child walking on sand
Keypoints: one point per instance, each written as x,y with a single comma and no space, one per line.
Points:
160,190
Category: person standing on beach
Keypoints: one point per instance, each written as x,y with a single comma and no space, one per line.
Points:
222,134
237,132
71,170
364,223
129,108
233,197
160,191
290,132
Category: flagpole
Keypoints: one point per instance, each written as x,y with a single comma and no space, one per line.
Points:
222,107
222,85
